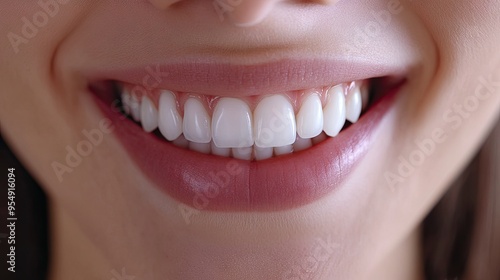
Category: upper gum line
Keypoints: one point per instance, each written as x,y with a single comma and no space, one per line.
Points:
296,97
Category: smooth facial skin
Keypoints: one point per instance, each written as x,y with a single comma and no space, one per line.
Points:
109,212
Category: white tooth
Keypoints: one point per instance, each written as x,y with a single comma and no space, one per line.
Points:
181,142
274,122
135,108
242,153
320,138
365,97
203,148
149,115
310,117
196,124
353,105
232,124
263,153
283,150
170,121
223,152
126,102
301,144
334,111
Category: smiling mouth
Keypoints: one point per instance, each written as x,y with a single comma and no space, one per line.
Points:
246,152
247,128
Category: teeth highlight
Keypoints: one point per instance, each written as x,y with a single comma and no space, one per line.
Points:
310,117
274,122
149,115
335,112
230,128
232,124
135,108
170,121
196,122
126,102
353,104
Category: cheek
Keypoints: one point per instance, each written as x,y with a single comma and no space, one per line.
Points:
450,17
37,26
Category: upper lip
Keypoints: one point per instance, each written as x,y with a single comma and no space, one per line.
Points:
245,80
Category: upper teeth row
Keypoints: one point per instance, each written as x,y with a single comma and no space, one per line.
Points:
273,122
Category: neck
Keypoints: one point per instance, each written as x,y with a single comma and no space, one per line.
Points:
404,262
73,256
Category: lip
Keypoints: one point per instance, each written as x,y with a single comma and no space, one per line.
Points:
212,183
208,78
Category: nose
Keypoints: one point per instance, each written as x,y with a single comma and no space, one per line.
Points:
241,12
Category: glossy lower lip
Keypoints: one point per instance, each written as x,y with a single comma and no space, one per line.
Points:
210,78
212,183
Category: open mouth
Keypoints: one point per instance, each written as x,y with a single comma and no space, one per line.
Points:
249,152
246,128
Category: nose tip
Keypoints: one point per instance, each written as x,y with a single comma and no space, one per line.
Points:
241,12
248,12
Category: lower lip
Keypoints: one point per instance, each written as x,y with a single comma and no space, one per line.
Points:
212,183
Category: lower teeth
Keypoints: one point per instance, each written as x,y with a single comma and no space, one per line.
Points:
249,153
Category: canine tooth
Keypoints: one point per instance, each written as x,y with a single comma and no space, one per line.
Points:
135,108
274,122
302,144
196,124
242,153
334,113
354,104
223,152
263,153
169,121
283,150
181,142
232,124
126,102
149,115
310,117
203,148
